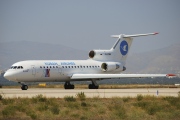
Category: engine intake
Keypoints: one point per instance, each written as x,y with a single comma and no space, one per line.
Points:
92,54
110,66
101,55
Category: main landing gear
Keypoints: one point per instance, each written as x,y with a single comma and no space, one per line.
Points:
68,85
23,86
94,85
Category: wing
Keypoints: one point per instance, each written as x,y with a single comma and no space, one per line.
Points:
109,76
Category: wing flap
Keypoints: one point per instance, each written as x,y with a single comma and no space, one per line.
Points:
108,76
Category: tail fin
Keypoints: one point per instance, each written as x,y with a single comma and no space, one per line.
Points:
122,46
119,51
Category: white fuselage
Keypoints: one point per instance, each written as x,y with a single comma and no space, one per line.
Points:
53,70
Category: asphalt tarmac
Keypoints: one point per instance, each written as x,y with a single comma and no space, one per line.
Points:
102,93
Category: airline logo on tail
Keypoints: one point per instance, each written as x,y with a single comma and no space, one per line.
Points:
124,47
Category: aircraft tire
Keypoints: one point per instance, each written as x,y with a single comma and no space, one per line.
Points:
72,86
92,86
68,86
97,87
24,87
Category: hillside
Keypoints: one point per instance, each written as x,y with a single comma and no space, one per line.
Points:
166,60
12,52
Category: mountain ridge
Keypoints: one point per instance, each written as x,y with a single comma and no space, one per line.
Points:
12,52
164,60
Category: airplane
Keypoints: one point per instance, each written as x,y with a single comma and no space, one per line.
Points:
102,64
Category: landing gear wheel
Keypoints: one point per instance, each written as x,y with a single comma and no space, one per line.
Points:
24,87
72,86
92,86
67,85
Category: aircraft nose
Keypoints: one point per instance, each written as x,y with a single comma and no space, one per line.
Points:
8,76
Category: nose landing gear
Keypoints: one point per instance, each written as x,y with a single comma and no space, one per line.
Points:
23,86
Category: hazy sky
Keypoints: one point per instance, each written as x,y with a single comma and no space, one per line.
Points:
88,25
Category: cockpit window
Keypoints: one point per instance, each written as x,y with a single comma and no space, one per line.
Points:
16,67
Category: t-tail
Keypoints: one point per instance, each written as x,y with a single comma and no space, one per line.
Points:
119,51
122,46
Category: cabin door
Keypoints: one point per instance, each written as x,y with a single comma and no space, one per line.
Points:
59,70
33,70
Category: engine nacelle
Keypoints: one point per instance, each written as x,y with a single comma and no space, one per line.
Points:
110,66
101,55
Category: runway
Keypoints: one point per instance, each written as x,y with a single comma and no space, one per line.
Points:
102,93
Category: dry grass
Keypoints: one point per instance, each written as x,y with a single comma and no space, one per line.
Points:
76,108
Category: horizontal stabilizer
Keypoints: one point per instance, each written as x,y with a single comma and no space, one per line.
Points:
135,35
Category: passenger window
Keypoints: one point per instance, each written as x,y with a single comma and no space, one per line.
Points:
44,66
50,66
90,66
62,66
66,66
47,66
69,66
40,66
56,66
84,66
78,66
74,66
53,66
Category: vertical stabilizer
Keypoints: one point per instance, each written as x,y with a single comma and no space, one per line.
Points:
122,46
119,51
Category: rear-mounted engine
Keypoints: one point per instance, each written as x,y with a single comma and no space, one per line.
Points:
92,54
110,66
100,54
